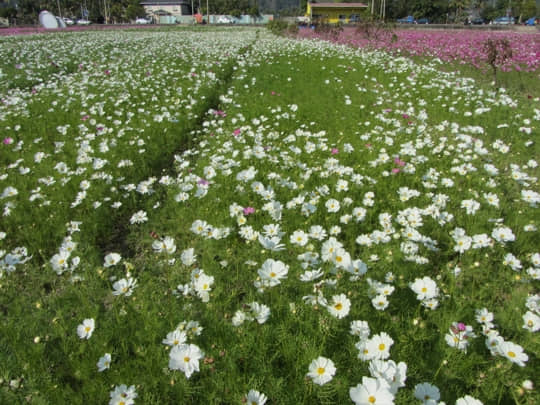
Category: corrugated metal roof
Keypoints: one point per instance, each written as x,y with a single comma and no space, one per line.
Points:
337,5
164,2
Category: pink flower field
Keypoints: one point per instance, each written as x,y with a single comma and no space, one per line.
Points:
456,46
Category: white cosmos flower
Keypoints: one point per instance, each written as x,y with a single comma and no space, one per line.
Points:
299,238
514,353
59,262
175,338
166,245
531,321
123,395
427,393
272,271
380,346
360,329
188,257
311,275
254,397
321,370
425,288
503,234
203,285
124,286
332,205
468,400
112,259
271,243
185,358
260,312
104,362
372,391
138,218
394,374
86,328
340,306
380,302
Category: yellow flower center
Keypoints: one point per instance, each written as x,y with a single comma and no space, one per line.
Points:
511,354
87,329
338,306
186,359
272,274
424,289
371,399
382,346
320,370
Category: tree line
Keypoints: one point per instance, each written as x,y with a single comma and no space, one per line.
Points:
97,11
119,11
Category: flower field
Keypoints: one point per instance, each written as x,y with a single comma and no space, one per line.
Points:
226,216
458,46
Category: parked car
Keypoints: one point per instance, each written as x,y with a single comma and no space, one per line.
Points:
83,22
422,21
406,20
142,21
223,19
503,21
531,21
69,21
478,21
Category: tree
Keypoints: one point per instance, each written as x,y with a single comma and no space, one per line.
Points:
134,10
458,6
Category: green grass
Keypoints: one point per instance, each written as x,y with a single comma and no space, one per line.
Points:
288,100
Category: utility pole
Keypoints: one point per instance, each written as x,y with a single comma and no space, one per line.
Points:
207,13
59,10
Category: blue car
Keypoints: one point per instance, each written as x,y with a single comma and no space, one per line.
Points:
407,20
531,21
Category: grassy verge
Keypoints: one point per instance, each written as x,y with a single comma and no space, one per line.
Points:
370,173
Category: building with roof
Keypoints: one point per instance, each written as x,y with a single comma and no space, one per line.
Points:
167,11
335,12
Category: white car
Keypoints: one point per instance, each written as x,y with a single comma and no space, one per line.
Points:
68,21
225,20
83,22
142,21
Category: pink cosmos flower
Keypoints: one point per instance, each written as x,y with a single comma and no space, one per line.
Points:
8,141
249,210
237,132
335,151
399,162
